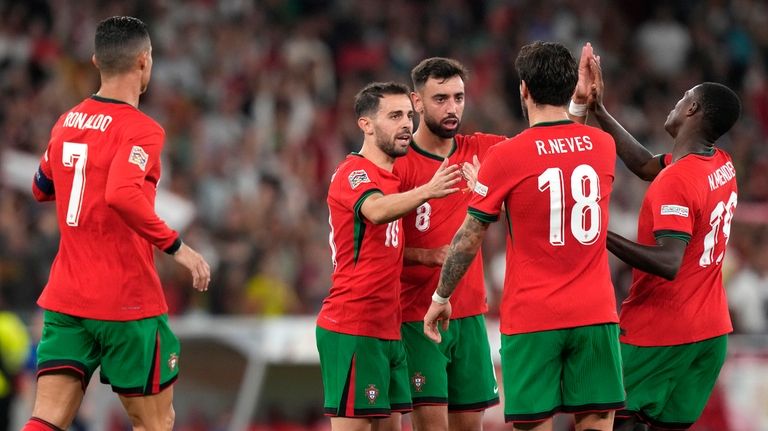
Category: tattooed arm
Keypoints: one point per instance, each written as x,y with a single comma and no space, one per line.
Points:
464,247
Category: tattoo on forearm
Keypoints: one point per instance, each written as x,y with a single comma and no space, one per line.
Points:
463,249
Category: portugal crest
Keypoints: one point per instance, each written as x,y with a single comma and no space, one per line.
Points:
371,393
173,361
418,381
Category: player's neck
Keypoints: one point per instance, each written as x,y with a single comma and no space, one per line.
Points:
545,114
122,87
690,143
431,143
379,158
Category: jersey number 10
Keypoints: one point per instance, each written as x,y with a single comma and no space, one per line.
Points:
585,214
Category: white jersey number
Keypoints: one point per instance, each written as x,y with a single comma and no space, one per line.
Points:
74,154
585,214
423,212
393,234
722,214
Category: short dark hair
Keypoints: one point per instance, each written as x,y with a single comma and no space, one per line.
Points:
437,68
119,39
549,70
721,108
367,100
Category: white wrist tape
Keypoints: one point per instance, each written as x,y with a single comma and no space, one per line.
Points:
577,109
439,299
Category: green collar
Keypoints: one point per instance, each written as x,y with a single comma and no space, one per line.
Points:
552,123
426,153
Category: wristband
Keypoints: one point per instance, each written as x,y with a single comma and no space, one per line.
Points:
175,247
577,109
439,299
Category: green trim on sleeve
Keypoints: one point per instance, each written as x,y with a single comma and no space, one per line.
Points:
360,221
672,234
483,217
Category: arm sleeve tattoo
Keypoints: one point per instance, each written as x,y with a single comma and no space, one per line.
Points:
463,249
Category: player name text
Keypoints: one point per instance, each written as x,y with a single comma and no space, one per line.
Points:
721,175
81,120
564,145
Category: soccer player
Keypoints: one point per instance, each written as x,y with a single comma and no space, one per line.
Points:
104,306
675,321
560,350
362,358
456,376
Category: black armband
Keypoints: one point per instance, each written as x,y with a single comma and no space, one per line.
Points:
174,247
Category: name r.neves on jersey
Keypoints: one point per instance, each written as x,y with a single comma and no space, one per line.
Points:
81,120
564,145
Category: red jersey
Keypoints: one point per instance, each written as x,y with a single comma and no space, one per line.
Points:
434,224
555,180
692,199
102,166
367,258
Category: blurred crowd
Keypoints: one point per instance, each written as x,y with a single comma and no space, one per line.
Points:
256,100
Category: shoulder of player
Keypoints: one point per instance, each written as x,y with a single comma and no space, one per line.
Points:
477,138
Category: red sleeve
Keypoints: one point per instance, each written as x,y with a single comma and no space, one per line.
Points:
42,184
485,142
125,188
357,184
491,189
673,206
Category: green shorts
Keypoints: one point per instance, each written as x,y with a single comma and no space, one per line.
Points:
668,387
458,372
362,376
574,370
137,357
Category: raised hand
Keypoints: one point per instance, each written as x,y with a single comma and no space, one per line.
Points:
597,89
584,85
469,172
197,266
443,182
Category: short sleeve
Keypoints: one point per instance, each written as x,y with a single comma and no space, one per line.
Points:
354,185
491,190
672,204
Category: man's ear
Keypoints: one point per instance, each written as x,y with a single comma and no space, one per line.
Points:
524,93
418,104
693,108
366,125
93,60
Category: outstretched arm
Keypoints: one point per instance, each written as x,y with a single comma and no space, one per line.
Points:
464,247
577,111
637,158
663,259
379,208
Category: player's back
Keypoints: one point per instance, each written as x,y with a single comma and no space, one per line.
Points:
694,197
556,179
103,268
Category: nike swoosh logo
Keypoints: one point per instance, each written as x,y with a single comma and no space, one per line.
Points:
495,389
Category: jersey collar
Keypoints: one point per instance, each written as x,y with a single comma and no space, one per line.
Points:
427,154
107,100
552,123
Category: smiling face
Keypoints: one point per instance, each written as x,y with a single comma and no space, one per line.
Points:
393,124
440,102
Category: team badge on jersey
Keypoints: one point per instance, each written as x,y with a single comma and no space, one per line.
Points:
173,361
418,381
138,157
676,210
358,177
371,393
